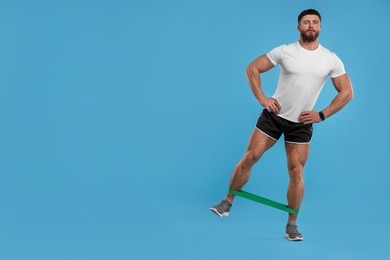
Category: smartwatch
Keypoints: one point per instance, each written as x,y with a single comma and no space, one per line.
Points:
321,116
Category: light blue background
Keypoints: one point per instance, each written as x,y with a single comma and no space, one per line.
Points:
121,122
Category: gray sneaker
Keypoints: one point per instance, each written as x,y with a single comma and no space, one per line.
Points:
292,233
222,209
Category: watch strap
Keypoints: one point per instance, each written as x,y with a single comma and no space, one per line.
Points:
322,116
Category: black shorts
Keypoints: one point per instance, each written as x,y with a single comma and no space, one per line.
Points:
274,126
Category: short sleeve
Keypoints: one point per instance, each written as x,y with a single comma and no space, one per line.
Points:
276,54
337,67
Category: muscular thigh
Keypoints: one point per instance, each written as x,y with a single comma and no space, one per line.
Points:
297,154
259,142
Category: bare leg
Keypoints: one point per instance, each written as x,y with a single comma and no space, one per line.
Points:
297,155
258,144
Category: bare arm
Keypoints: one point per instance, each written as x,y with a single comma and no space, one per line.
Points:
345,93
344,87
253,71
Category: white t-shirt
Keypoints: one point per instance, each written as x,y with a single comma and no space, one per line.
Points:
302,76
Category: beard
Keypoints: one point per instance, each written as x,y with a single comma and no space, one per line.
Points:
306,37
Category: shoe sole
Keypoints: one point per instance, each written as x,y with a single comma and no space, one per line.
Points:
225,214
293,239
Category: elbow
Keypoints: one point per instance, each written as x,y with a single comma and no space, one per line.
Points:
248,70
350,94
350,91
350,97
251,69
347,97
347,93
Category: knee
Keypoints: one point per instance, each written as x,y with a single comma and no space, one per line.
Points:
250,158
296,173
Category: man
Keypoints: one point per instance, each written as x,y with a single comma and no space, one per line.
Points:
304,68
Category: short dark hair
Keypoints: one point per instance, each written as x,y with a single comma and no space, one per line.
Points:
306,12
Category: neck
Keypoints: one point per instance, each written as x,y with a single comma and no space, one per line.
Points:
309,45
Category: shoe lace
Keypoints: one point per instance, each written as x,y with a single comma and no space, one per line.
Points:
224,205
294,229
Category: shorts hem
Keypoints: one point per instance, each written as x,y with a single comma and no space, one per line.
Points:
291,142
297,142
267,134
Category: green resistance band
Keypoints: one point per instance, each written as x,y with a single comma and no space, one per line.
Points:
264,201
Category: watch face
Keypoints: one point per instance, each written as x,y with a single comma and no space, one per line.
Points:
322,116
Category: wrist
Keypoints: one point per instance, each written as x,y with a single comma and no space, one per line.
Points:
322,116
261,100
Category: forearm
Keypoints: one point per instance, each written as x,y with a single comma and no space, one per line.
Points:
341,99
254,82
